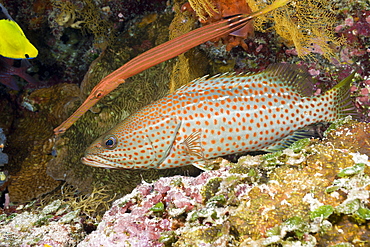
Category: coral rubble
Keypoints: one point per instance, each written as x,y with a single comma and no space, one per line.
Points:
62,218
29,229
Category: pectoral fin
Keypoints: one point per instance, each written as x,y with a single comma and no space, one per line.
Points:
193,146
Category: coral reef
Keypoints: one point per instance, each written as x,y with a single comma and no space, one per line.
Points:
249,202
300,196
31,142
61,218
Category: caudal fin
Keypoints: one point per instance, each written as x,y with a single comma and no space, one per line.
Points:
341,100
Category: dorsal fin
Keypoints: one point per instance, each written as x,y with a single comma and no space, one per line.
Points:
293,76
285,75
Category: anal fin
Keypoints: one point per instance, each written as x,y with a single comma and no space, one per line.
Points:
203,165
288,140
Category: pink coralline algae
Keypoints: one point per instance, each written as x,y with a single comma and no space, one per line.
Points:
352,28
362,95
138,219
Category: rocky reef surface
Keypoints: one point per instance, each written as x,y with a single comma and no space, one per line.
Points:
70,55
314,193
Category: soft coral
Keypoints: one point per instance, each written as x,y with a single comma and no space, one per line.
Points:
210,11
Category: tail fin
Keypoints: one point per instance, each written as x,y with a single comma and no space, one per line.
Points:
340,98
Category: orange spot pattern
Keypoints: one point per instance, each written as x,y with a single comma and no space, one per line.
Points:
208,118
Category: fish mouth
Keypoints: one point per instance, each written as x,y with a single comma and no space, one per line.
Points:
94,163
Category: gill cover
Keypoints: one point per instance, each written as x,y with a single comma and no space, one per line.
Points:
145,147
142,145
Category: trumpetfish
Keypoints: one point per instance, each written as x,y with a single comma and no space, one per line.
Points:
161,53
220,115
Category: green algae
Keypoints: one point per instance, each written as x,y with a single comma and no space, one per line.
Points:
296,227
52,207
204,235
43,220
68,217
299,145
349,171
322,212
159,207
364,213
168,238
342,245
218,200
336,124
211,188
348,207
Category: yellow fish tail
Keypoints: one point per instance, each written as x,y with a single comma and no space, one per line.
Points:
340,100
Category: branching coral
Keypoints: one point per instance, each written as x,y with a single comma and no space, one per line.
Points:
306,25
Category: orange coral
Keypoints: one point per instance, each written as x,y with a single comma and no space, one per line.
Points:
210,11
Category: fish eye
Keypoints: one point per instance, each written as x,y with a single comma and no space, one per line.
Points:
110,142
99,94
26,55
